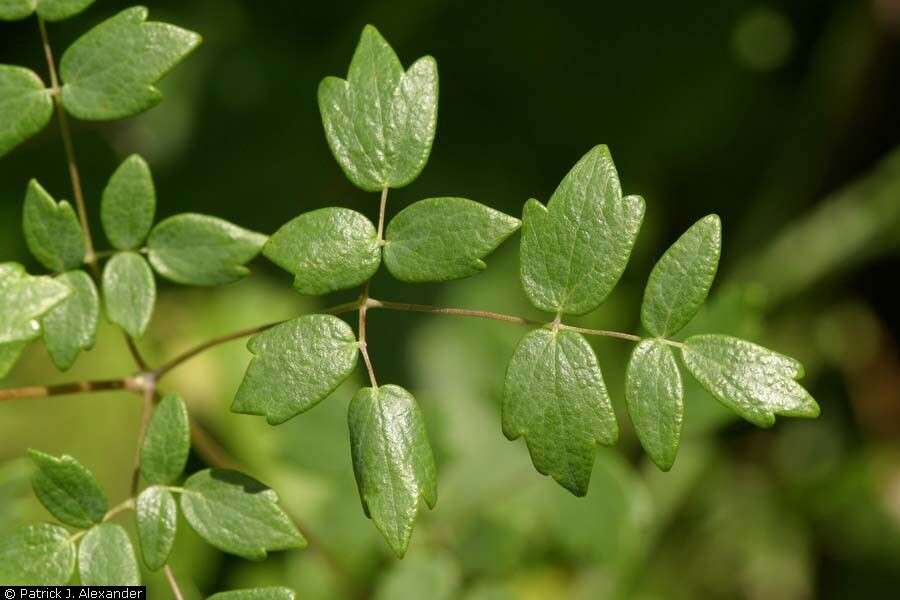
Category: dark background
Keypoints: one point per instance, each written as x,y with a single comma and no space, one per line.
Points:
779,116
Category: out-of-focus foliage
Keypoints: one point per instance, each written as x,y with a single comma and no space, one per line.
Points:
791,139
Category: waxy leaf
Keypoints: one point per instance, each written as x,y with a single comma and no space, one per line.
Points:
380,121
753,381
25,104
49,10
68,490
680,281
41,554
128,204
575,250
237,514
201,250
23,299
9,355
106,557
295,366
439,239
52,230
266,593
129,292
555,398
71,326
167,442
157,520
655,399
109,72
326,250
392,460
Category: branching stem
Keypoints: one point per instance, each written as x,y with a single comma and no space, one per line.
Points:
90,258
131,384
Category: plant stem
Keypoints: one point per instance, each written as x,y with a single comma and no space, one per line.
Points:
363,345
80,387
170,577
236,335
381,211
89,256
602,332
119,508
459,312
209,449
146,413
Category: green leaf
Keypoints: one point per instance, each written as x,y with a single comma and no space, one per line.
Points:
25,104
41,554
266,593
202,250
380,121
680,281
68,490
575,250
753,381
128,204
237,514
438,239
129,292
326,250
49,10
295,366
555,398
167,442
9,355
157,519
392,460
52,230
655,398
24,299
71,326
106,557
109,72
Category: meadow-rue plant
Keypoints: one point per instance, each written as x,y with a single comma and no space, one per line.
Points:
380,123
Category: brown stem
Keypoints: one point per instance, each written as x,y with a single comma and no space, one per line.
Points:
89,256
146,413
363,345
79,387
236,335
459,312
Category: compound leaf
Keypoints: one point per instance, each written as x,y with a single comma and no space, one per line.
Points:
296,365
753,381
41,554
575,250
49,10
71,326
128,204
129,292
52,230
555,397
24,299
237,514
25,104
680,281
109,72
266,593
655,397
326,250
106,557
157,520
68,490
380,121
202,250
392,460
167,442
438,239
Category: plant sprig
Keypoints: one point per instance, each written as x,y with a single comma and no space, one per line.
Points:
380,123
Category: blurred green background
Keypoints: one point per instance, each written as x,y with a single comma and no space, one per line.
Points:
780,116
